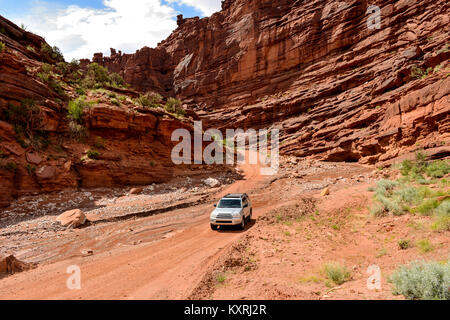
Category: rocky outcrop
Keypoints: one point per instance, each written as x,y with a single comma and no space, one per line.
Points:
338,89
11,265
129,144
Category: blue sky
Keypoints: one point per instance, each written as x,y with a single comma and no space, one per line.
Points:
82,27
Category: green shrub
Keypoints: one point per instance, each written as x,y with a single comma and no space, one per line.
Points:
116,80
425,246
11,166
96,74
30,48
53,53
438,169
115,102
24,117
336,273
442,219
172,105
404,244
76,108
99,143
77,131
93,154
418,73
423,280
2,46
150,100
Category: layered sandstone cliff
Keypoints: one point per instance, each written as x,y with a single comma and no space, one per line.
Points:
337,89
119,142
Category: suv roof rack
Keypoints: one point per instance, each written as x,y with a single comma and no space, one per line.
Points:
236,195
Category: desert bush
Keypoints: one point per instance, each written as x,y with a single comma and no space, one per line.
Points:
116,80
25,117
54,52
404,244
93,154
418,73
10,166
172,105
76,108
77,131
442,218
2,46
423,280
425,246
150,100
336,273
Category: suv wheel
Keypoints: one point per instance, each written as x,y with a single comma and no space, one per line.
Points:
214,227
242,225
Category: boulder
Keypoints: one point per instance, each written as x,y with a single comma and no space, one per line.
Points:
325,192
33,158
136,191
72,218
211,182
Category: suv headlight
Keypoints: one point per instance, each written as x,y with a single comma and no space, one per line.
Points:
237,214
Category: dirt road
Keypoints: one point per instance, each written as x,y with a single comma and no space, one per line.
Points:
166,269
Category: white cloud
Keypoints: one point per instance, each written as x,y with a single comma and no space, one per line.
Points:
207,7
80,32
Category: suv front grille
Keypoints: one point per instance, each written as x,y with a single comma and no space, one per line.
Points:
224,216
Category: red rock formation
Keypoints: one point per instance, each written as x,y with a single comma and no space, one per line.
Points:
135,142
337,89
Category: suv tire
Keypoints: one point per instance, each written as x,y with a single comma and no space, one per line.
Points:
214,227
242,225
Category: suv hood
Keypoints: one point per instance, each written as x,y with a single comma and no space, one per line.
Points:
226,210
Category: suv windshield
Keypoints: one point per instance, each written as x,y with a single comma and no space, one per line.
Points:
230,203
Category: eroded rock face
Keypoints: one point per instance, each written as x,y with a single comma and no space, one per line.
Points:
133,143
339,90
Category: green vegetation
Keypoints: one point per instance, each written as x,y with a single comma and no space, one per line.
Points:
30,48
336,273
76,108
10,166
93,154
30,169
423,280
54,53
99,143
221,278
444,49
98,76
49,75
425,246
419,73
174,106
25,117
77,131
150,100
2,47
404,244
411,193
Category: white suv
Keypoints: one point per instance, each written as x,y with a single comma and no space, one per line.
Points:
232,210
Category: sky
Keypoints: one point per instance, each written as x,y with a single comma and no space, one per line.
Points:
81,28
